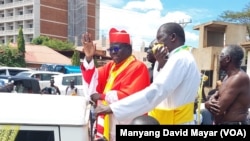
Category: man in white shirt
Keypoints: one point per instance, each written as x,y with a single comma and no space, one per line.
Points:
177,84
71,89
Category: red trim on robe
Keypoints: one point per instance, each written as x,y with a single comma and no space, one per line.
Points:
133,78
87,74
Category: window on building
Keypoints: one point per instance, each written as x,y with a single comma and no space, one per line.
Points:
2,14
30,11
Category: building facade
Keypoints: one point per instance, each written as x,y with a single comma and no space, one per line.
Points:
213,36
64,19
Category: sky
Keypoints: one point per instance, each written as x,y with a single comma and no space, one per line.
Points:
142,18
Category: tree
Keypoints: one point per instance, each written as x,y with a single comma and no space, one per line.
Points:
11,57
21,42
53,43
242,17
75,59
40,40
21,47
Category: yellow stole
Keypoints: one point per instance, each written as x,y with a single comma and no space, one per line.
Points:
178,115
113,74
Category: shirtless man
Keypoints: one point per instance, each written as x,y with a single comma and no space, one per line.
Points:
229,105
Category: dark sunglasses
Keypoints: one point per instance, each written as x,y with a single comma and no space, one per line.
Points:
114,48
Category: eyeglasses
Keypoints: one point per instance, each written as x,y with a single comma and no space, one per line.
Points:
114,48
223,55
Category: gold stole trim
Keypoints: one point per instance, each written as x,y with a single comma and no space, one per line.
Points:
179,115
108,86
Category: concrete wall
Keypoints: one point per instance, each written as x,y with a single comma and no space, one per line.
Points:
246,46
205,57
235,34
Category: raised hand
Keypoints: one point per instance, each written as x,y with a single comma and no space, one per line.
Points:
161,56
89,47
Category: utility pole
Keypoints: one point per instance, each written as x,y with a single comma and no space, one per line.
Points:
184,23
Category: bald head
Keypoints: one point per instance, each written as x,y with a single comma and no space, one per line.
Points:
172,35
144,120
170,28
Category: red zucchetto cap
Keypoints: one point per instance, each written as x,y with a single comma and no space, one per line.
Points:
116,36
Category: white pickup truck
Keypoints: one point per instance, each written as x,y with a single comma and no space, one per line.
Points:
35,117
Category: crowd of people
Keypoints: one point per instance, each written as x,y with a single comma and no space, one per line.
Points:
124,89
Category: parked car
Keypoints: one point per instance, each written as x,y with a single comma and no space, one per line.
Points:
12,71
42,76
66,69
63,80
22,84
47,67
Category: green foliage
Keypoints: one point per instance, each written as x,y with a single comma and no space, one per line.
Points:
75,59
55,44
241,17
11,57
40,40
14,57
21,42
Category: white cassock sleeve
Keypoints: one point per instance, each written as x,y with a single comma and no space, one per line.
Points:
139,103
89,89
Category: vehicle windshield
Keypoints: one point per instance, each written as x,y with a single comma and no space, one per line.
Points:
25,74
3,81
77,78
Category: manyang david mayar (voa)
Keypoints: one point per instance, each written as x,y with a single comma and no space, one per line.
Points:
181,132
140,134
